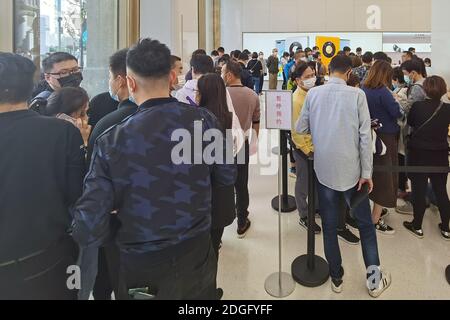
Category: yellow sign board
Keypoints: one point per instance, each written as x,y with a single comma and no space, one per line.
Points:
329,47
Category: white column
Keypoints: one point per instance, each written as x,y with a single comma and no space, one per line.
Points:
441,39
156,20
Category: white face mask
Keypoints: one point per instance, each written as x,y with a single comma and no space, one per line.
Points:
309,83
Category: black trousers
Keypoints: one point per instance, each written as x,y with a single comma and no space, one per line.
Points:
419,183
183,272
216,239
43,277
107,280
261,85
241,186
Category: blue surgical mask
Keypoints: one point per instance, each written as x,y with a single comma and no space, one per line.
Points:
113,95
408,80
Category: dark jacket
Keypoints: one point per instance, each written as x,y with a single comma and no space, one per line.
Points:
42,168
385,108
126,108
246,77
255,68
135,172
273,65
434,135
100,106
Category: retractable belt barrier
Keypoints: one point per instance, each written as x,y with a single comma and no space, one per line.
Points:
311,270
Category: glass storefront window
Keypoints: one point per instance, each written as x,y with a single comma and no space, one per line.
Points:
87,29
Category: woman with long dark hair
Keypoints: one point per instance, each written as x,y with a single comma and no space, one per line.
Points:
212,95
387,110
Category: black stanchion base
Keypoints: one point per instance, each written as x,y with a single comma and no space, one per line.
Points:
310,278
447,274
289,206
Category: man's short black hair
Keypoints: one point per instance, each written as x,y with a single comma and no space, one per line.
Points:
199,51
236,54
118,63
412,49
380,56
234,68
57,57
409,54
341,64
243,56
367,57
221,49
358,49
246,51
202,64
149,59
214,53
416,65
16,78
316,48
173,60
347,49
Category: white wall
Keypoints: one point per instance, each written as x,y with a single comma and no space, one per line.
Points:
162,20
441,39
240,16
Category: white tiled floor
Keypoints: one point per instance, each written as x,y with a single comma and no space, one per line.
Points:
417,266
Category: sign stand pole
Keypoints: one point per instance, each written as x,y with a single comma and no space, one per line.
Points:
280,284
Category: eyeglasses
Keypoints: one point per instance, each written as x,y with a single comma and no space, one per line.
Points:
66,73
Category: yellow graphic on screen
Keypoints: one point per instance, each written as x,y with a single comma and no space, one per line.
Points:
329,47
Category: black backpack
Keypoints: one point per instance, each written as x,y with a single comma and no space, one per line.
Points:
39,103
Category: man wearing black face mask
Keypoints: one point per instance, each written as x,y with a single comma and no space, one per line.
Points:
60,70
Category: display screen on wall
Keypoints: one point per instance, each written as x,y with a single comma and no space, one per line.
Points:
368,41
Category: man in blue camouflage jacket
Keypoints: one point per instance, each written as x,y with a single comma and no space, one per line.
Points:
164,208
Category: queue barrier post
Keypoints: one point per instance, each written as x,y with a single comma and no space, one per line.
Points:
288,203
311,270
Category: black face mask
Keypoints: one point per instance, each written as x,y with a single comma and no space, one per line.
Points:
73,81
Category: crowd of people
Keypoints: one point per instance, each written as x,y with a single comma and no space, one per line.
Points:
96,182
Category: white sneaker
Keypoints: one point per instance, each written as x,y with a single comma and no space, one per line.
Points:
337,286
385,283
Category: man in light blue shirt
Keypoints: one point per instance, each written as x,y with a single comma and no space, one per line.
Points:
337,116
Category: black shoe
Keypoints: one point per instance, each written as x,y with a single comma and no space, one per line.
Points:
383,228
352,223
445,234
242,232
219,293
384,213
447,274
316,228
337,285
410,227
347,236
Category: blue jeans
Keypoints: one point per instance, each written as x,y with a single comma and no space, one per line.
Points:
330,210
257,81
